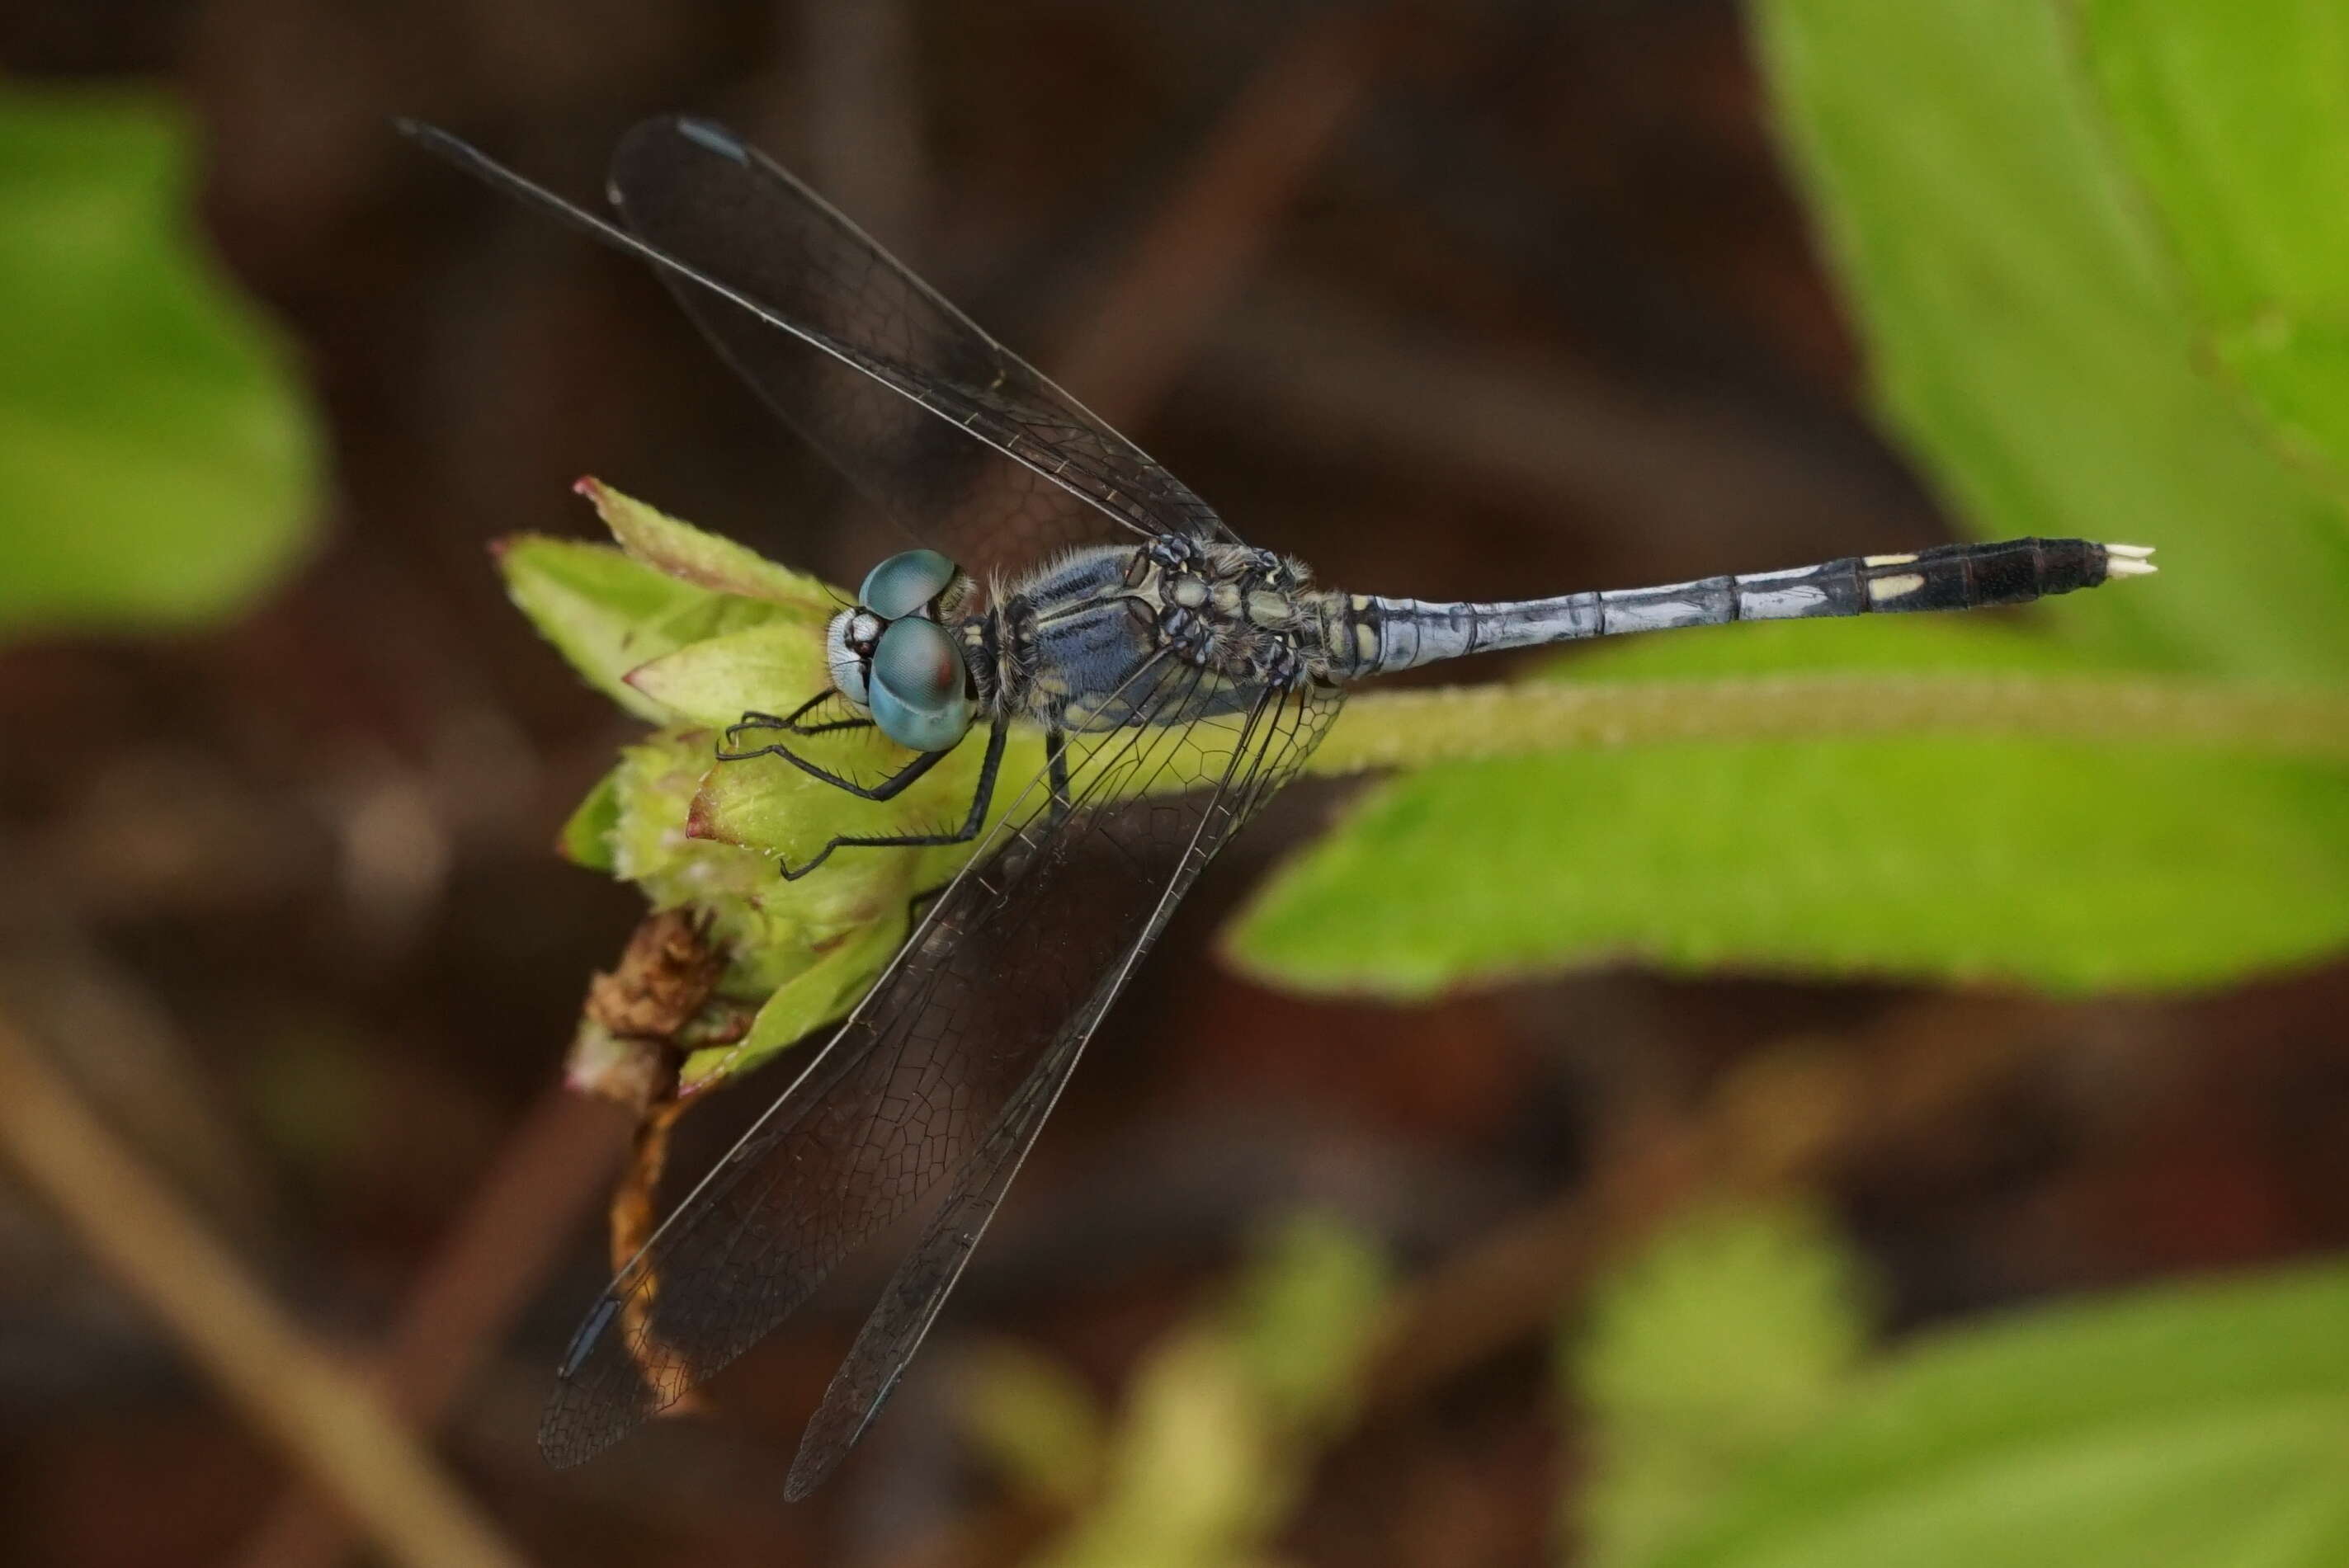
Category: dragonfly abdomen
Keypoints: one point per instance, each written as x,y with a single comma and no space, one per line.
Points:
1389,635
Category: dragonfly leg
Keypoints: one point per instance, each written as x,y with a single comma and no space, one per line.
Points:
982,797
1056,756
888,789
789,722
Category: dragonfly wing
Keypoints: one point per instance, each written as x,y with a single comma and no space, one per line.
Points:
897,380
1008,972
1273,743
916,1292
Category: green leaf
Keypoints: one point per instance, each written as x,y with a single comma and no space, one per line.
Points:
2029,337
765,803
2235,119
599,609
2183,1425
684,627
2032,342
801,952
586,836
678,623
1303,1320
1193,1476
1224,1419
159,463
715,680
1035,1420
1732,1332
825,975
2073,866
705,560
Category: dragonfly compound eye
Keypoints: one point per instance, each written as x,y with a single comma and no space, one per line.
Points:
919,697
905,583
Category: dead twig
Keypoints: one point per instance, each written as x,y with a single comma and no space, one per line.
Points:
324,1419
524,1212
1182,270
1789,1120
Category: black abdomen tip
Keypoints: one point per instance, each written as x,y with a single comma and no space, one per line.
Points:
1983,576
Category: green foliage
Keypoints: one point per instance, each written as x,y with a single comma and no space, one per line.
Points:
2181,1426
1981,170
1733,1333
662,626
706,561
620,615
2068,865
586,838
160,464
1223,1421
2030,339
2091,249
1734,1425
1678,809
609,614
1036,1420
2234,121
2052,226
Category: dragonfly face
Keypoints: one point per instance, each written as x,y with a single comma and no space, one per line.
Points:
891,658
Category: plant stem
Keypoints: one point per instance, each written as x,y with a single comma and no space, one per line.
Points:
1458,724
525,1207
321,1414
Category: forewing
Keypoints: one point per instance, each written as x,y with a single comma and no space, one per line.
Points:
889,381
967,1035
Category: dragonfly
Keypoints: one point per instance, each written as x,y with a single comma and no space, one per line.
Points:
1070,584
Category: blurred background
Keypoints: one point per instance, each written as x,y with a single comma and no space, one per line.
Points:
1458,301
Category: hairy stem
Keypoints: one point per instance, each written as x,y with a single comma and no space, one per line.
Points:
1457,724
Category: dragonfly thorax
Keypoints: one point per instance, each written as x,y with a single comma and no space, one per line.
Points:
1170,631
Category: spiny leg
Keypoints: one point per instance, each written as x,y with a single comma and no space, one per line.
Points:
789,722
889,789
981,798
831,725
1055,759
754,720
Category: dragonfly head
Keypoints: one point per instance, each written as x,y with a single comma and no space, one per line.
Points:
891,657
